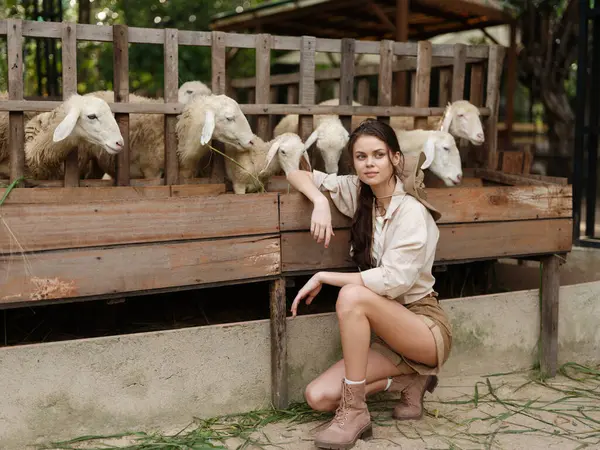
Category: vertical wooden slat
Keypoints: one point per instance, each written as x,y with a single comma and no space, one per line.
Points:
402,13
121,84
347,79
492,101
511,83
273,96
292,94
16,137
263,82
445,89
476,89
218,61
549,315
279,378
386,58
171,69
69,87
362,91
308,45
458,72
422,81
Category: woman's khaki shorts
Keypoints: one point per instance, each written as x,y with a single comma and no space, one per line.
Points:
429,311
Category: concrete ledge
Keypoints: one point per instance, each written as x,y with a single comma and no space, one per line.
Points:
95,386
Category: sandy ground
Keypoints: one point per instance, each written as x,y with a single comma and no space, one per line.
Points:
516,413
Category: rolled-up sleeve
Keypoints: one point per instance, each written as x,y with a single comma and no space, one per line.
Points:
343,190
403,256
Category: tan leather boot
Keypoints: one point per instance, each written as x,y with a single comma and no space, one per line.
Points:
413,389
352,420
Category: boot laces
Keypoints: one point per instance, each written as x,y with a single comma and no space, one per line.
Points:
341,413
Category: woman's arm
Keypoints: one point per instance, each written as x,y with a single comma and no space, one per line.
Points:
320,223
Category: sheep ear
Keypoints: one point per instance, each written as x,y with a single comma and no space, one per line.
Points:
447,120
311,139
429,150
305,162
271,154
208,128
65,128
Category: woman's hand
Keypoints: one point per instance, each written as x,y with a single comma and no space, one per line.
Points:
320,222
309,290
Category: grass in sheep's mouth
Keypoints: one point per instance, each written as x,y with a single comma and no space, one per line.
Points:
577,403
260,184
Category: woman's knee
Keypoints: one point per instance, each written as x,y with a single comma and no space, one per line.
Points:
350,298
318,398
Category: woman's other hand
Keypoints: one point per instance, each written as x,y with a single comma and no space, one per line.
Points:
309,290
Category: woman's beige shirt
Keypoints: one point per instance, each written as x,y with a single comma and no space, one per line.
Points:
408,239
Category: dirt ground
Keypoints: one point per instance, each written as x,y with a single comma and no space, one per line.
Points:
513,411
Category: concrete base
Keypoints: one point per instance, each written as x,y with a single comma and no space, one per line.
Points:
162,379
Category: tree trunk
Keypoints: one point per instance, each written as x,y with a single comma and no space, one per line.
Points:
84,13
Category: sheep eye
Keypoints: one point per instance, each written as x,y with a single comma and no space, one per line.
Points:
189,92
230,119
92,116
447,149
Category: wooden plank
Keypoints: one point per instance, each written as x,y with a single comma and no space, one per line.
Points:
362,91
457,205
279,375
512,162
492,102
347,79
56,226
462,242
292,94
422,81
141,267
263,72
401,36
219,78
549,315
69,87
140,182
121,90
307,83
69,195
476,87
385,82
131,108
171,74
510,179
16,128
445,87
458,72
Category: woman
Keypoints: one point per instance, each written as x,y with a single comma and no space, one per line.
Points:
393,242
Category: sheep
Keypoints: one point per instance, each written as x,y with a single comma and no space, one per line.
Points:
442,155
328,134
205,118
191,88
260,161
51,136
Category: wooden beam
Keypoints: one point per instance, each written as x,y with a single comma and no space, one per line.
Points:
279,375
492,102
549,315
69,87
125,269
511,179
16,127
458,72
121,91
422,81
385,81
171,77
402,28
385,21
306,83
263,73
219,78
511,84
347,79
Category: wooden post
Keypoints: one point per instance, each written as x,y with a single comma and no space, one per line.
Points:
171,69
347,79
474,156
218,59
549,315
121,84
273,96
363,91
422,81
445,88
16,129
511,83
492,101
458,72
263,84
308,45
69,87
386,61
292,94
279,378
402,12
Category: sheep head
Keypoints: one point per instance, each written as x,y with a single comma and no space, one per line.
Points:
331,138
225,122
461,119
90,119
290,151
190,89
443,158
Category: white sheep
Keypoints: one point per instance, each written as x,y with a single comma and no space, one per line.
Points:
442,155
260,161
205,118
51,136
191,88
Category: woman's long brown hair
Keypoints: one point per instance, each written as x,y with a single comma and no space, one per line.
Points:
361,232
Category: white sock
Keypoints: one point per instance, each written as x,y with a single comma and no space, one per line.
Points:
389,383
347,381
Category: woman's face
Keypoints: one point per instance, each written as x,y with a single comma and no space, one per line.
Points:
373,161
